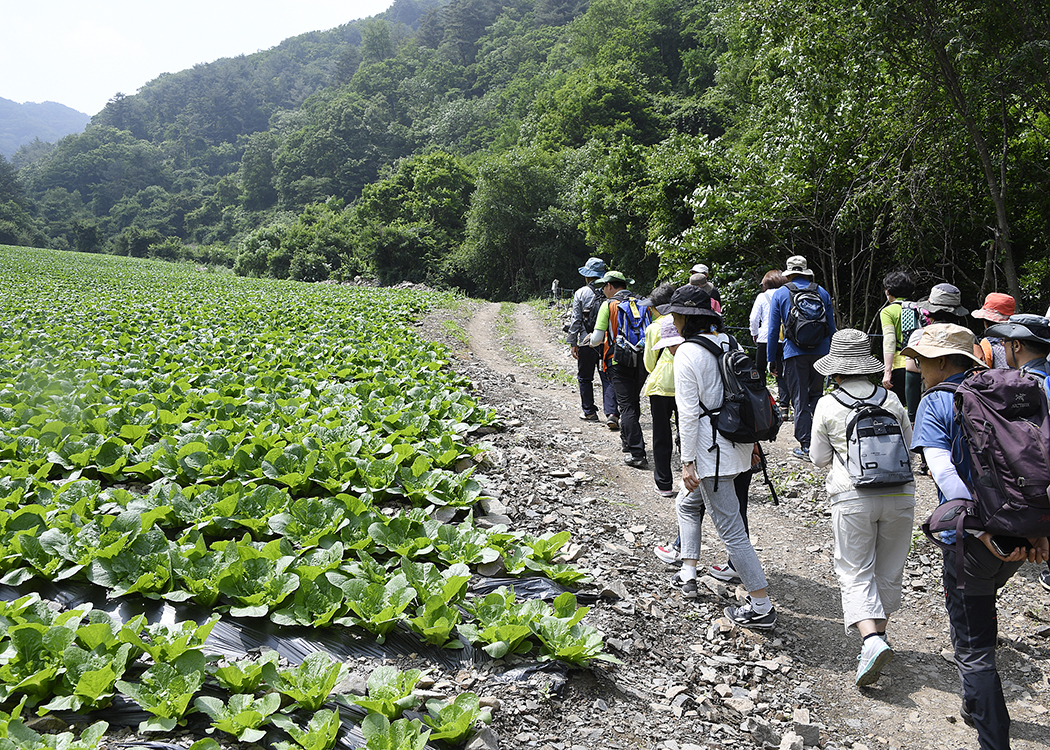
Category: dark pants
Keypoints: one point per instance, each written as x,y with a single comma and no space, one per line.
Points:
974,629
761,363
898,378
589,357
913,392
663,409
806,386
627,383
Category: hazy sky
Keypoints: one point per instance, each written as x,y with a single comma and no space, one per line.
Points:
82,52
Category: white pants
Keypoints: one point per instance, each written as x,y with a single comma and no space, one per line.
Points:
872,537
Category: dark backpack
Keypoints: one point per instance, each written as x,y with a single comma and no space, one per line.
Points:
876,453
629,316
806,325
1006,428
748,412
590,310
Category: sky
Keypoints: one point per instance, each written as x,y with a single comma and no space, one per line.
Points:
82,52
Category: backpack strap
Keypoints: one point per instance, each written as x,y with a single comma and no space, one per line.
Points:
847,399
952,515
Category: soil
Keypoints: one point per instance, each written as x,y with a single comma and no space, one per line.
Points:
688,678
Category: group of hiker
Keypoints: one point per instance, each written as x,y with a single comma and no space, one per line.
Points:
971,413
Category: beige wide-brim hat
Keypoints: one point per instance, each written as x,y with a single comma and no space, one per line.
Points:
850,354
797,266
943,339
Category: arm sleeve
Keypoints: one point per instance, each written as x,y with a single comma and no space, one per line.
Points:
576,326
687,399
944,474
754,322
820,450
831,312
773,341
601,325
652,337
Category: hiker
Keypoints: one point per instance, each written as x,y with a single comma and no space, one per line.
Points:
707,474
871,515
585,304
1026,344
997,308
700,276
945,352
623,312
803,307
758,325
898,287
659,388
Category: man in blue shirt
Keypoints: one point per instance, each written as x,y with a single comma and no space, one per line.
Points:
944,353
795,361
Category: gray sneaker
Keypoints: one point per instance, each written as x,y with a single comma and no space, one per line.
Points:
688,588
747,617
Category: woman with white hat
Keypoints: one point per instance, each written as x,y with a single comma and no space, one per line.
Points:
871,525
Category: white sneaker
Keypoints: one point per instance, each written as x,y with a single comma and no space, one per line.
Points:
724,572
667,553
875,655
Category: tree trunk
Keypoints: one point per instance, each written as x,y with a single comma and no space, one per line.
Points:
996,178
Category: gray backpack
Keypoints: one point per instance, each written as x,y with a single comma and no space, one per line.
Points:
876,452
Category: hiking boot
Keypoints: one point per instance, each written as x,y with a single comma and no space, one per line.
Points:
668,553
747,617
638,462
613,422
666,493
724,573
802,453
1044,579
688,588
875,655
589,417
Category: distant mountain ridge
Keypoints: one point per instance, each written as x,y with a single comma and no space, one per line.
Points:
48,121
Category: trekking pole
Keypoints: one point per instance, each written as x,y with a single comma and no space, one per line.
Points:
765,475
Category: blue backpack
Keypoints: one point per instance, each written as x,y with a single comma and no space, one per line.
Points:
806,325
629,316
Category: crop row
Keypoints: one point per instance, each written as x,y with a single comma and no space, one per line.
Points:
260,448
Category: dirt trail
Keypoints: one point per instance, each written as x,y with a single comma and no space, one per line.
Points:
915,704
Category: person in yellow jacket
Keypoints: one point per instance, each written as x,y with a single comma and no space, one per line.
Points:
659,389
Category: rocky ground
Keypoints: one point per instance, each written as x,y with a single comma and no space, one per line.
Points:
687,678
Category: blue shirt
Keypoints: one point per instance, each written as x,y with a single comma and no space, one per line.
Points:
935,427
779,306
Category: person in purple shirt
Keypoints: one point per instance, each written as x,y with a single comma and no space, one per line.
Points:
792,359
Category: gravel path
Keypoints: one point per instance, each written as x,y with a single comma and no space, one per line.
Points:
688,678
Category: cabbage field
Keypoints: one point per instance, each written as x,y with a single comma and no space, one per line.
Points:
255,450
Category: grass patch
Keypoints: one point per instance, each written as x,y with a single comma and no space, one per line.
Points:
455,330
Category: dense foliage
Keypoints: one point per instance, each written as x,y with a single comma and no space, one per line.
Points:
493,146
257,447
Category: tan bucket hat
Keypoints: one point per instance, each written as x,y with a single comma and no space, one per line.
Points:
942,339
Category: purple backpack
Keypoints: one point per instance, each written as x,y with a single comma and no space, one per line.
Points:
1006,426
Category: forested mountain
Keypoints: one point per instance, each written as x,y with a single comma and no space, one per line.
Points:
25,123
495,145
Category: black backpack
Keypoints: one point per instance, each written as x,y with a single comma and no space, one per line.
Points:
590,310
876,453
748,412
806,325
